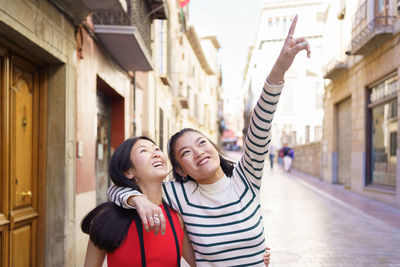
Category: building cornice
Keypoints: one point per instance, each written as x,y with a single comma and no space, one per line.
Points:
198,50
214,41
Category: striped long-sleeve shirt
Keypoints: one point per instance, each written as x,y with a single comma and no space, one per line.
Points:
224,220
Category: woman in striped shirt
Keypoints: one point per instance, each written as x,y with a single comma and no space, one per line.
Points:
219,201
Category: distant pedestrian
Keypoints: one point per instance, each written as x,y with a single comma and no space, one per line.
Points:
288,154
271,155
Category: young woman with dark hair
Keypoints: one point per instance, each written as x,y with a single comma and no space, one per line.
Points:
220,202
227,165
140,165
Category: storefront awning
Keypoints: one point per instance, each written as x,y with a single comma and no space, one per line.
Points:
126,46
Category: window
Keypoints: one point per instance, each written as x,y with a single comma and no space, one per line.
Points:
270,22
284,23
277,21
380,5
383,133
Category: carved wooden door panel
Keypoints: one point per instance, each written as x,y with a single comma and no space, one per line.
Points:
19,162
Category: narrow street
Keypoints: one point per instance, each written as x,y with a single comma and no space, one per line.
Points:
313,223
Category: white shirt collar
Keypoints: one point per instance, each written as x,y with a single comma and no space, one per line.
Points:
216,187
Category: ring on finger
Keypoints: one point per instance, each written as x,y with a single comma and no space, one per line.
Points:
290,36
156,219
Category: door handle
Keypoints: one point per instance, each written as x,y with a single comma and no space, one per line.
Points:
26,194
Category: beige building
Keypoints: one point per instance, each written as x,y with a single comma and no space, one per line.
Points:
38,55
203,83
76,79
195,77
183,89
298,118
361,130
68,82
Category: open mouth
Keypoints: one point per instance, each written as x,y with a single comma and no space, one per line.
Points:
203,161
158,164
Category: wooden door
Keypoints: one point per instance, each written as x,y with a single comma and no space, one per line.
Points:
20,161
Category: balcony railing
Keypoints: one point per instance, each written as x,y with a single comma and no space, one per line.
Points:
366,38
136,15
335,68
111,17
124,28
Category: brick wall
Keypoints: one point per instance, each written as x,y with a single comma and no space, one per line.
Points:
307,159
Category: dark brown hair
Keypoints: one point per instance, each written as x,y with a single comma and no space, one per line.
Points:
107,224
226,165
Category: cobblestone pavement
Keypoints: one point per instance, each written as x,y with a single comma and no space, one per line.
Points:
307,227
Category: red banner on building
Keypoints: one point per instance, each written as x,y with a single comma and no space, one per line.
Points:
183,3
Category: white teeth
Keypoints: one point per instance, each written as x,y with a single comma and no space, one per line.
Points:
157,164
204,161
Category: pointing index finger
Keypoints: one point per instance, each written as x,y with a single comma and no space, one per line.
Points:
292,28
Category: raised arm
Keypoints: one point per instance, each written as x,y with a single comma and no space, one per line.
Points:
259,133
129,198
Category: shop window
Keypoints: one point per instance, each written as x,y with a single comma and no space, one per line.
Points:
382,145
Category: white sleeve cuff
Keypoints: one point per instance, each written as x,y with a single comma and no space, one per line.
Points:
124,199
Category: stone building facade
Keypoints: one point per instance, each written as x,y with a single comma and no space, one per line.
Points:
361,130
298,118
77,78
38,100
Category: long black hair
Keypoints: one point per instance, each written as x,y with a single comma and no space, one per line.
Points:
107,224
227,166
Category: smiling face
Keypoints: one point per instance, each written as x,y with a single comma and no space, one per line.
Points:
198,158
149,162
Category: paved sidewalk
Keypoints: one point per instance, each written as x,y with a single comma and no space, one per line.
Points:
376,209
313,223
306,226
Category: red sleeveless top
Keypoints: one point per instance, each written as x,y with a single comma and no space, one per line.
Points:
160,249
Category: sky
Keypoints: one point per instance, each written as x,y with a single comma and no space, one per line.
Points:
235,24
